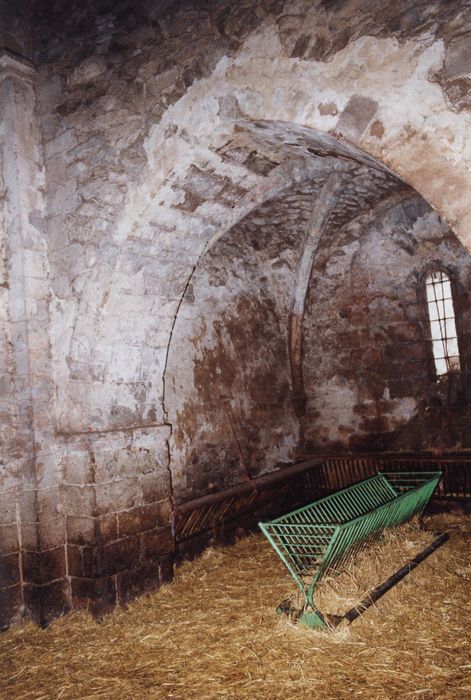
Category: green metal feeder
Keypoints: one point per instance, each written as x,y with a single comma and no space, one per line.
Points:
317,538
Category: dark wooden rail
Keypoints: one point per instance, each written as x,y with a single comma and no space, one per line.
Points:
221,517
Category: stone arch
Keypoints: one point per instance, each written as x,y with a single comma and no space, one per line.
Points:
418,138
228,394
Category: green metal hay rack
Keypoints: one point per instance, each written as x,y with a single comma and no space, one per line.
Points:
318,537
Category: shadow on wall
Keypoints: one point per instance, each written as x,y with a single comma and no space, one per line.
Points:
227,386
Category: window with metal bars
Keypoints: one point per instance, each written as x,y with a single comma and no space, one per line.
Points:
441,314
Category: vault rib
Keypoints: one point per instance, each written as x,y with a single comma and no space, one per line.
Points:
323,206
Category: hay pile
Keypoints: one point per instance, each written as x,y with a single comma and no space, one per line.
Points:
213,634
341,590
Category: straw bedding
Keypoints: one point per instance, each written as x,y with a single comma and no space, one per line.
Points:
213,633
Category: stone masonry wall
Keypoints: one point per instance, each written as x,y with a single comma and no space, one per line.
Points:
147,132
228,378
368,363
116,500
127,217
367,368
33,565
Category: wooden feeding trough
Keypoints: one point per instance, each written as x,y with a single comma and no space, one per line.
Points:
319,537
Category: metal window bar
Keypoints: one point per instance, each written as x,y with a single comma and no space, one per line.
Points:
441,313
319,537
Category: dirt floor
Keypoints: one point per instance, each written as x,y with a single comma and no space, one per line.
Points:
213,633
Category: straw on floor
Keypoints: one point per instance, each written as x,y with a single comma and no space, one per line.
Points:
213,633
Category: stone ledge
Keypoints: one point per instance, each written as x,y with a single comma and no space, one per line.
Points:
13,65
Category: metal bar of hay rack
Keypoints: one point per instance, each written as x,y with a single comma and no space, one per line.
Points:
319,537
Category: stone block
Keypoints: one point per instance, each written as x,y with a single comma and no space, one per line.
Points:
106,468
41,567
30,535
81,530
358,113
155,439
161,82
118,556
52,531
144,518
107,528
204,185
48,503
75,561
117,495
137,581
155,486
124,463
79,500
64,198
99,443
77,468
457,62
60,144
47,602
8,538
11,606
10,570
157,543
96,594
7,508
166,568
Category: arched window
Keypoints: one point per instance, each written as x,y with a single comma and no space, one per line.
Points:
442,323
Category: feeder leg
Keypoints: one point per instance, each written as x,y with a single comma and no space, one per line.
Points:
312,619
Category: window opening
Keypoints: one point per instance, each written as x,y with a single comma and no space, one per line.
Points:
442,323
